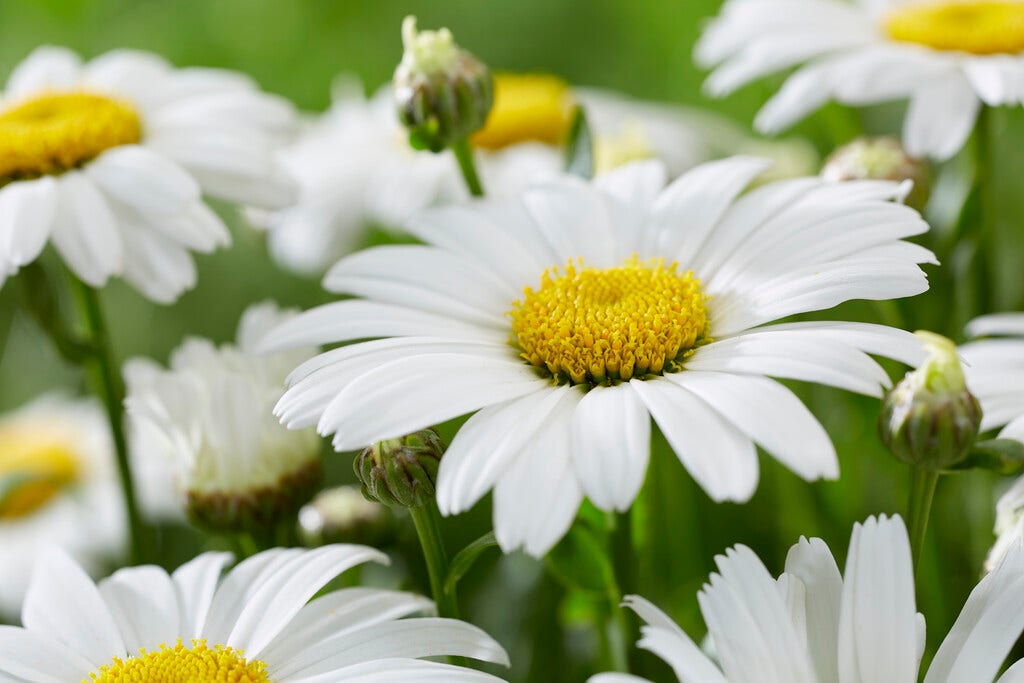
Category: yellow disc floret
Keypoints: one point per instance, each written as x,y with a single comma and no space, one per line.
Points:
181,664
33,469
56,132
599,325
981,27
527,107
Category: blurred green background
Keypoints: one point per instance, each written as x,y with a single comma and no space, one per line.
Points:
643,48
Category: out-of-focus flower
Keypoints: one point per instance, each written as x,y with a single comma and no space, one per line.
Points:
108,161
58,487
210,413
813,625
946,57
343,515
880,159
571,317
256,625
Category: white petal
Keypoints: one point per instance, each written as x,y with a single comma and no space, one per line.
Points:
27,210
611,445
997,324
575,219
686,659
400,671
940,118
156,266
32,657
812,563
1015,674
47,68
85,231
144,604
144,180
195,583
134,74
616,678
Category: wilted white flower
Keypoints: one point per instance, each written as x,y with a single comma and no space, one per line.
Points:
255,625
211,414
108,161
573,316
815,625
58,487
946,57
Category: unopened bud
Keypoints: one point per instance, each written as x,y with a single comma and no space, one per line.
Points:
343,515
443,93
401,472
930,419
879,159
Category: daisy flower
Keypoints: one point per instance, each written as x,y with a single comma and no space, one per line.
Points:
58,486
108,161
946,57
813,625
211,415
256,625
570,317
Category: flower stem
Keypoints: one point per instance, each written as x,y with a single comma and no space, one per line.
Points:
464,155
427,519
623,562
923,482
106,384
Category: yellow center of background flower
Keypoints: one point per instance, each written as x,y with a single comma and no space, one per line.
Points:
981,27
599,325
33,469
527,107
180,664
56,132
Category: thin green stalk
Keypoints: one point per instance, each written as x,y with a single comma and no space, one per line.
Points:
623,562
922,492
427,519
464,155
106,384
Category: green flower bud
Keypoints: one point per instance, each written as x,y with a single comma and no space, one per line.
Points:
930,419
879,159
401,472
343,515
443,93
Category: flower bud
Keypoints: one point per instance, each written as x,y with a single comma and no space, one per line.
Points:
401,472
344,515
930,419
879,159
443,93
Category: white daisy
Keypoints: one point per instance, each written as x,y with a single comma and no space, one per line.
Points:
946,57
813,625
107,160
572,316
994,369
255,625
58,486
211,415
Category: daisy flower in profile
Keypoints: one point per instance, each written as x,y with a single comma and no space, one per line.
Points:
108,161
568,318
58,487
814,625
211,414
255,624
947,57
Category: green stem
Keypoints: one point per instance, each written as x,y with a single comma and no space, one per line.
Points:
623,562
106,384
922,492
427,519
464,155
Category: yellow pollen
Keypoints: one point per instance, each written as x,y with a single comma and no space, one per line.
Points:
56,132
180,664
600,325
981,27
33,469
527,107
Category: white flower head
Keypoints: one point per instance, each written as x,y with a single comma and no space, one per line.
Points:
58,487
567,319
211,413
255,624
946,57
108,161
815,625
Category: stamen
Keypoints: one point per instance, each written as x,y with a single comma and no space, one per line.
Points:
982,27
181,664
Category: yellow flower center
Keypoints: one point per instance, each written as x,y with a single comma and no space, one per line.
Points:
33,469
600,325
180,664
981,27
56,132
527,107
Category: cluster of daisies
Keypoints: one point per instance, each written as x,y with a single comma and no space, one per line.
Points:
567,316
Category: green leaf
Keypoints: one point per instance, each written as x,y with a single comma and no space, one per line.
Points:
580,562
1005,456
579,149
466,558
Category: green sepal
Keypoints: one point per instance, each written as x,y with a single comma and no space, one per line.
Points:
466,558
1003,456
579,147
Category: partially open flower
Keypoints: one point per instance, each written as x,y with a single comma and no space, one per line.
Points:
879,159
403,471
344,515
237,469
930,418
